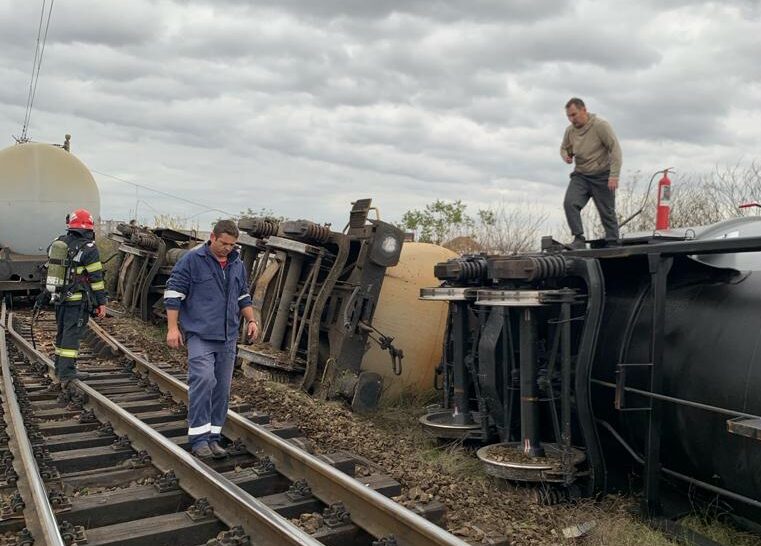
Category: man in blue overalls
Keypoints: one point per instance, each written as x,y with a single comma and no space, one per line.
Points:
206,294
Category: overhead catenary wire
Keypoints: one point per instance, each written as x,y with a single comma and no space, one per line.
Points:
39,51
166,194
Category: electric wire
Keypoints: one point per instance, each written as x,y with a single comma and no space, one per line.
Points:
166,194
34,67
39,51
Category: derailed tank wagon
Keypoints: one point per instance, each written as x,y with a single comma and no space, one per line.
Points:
582,368
315,292
39,185
144,261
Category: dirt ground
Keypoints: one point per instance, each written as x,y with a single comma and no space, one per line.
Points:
479,508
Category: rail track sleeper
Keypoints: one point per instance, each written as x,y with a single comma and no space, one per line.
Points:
114,476
110,378
289,508
79,440
233,505
65,426
163,530
139,396
56,414
157,417
90,458
141,406
38,512
383,484
373,512
112,507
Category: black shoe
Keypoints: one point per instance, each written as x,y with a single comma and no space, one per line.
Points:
203,452
579,243
217,450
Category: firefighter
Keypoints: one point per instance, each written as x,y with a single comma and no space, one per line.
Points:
75,285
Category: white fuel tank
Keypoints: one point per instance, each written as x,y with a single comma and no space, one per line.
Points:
39,185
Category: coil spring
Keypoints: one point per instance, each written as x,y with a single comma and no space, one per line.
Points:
472,269
259,227
317,233
547,267
145,240
126,229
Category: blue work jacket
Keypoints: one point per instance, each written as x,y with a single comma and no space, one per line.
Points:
208,297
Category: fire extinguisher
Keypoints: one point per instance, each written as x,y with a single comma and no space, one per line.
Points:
664,202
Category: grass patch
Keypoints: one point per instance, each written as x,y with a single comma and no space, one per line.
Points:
719,531
399,416
624,530
453,458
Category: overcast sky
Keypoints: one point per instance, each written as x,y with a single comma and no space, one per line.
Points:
301,106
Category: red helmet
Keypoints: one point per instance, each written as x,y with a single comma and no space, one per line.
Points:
80,219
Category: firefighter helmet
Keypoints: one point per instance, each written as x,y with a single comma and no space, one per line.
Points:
80,219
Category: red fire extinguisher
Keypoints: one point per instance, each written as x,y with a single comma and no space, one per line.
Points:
664,202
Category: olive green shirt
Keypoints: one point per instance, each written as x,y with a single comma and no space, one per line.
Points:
594,147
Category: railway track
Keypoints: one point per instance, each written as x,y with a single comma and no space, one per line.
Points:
105,462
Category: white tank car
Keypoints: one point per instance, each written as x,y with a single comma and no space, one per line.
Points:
39,185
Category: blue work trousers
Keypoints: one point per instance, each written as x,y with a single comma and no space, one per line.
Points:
210,372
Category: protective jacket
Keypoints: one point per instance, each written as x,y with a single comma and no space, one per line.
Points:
85,269
208,296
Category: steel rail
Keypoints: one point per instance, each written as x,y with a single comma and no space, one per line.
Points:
232,505
38,513
376,514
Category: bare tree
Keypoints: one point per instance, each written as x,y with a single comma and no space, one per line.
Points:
504,229
696,199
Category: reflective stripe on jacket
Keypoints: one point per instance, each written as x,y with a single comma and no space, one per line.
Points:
208,297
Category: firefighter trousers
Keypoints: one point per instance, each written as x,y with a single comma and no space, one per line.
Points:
71,320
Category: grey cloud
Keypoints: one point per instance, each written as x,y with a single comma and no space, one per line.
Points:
284,103
82,21
444,10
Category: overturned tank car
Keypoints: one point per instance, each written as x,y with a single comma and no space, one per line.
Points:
315,292
144,261
580,369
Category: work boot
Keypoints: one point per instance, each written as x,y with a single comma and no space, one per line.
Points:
203,452
579,243
217,450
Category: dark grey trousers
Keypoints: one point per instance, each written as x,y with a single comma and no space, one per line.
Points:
580,189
